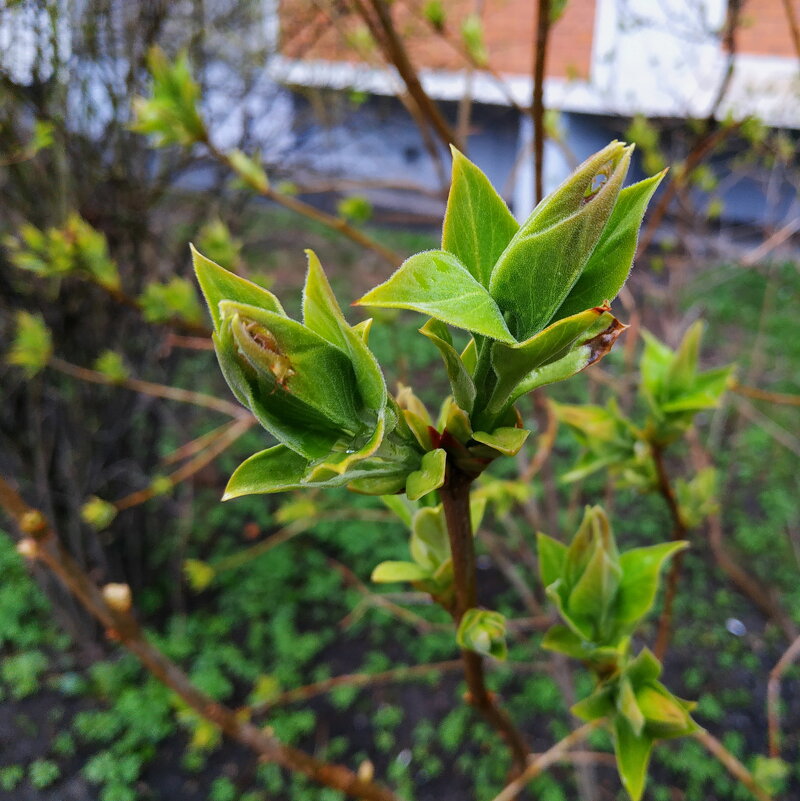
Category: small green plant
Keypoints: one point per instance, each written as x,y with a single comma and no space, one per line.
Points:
533,299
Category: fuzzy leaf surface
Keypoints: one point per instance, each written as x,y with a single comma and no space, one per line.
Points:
436,283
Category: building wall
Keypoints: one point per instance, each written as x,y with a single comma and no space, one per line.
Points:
765,30
509,29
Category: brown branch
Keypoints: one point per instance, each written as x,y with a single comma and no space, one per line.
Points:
732,764
455,501
547,438
770,243
112,609
537,104
196,445
468,57
377,16
331,221
794,27
789,657
190,343
539,764
697,154
359,680
679,532
149,388
765,395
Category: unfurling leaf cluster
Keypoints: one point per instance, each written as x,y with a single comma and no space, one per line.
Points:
602,596
673,391
74,248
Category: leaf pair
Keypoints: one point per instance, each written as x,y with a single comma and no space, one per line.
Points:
429,545
601,595
500,280
641,710
673,385
314,385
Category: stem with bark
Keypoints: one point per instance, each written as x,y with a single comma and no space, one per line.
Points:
537,106
679,532
455,495
39,542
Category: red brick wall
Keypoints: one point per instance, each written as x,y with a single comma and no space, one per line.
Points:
765,29
509,30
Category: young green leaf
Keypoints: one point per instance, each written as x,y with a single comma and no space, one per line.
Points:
436,283
633,757
477,223
274,470
321,313
507,441
293,362
430,475
552,556
514,363
390,572
639,584
32,346
461,382
219,284
429,544
483,631
610,263
543,261
564,640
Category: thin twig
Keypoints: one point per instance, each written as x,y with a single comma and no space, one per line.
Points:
776,431
794,28
696,155
732,764
781,398
356,680
197,445
774,696
310,212
547,438
288,532
385,34
40,542
538,764
679,531
149,388
537,104
768,245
